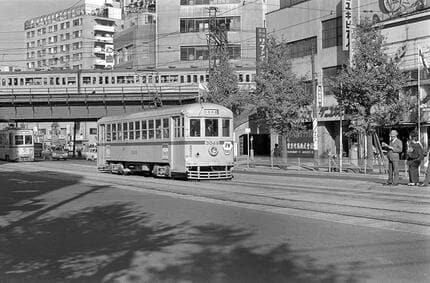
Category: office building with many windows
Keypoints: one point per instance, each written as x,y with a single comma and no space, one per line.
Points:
80,37
173,33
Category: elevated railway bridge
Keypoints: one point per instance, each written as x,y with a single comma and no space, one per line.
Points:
86,104
87,95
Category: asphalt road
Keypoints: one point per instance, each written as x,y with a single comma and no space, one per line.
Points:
64,222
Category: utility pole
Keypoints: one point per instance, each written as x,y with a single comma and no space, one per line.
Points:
315,108
216,39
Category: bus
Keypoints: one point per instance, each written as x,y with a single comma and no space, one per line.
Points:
193,141
16,144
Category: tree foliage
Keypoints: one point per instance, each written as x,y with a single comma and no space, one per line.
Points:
369,89
281,98
223,85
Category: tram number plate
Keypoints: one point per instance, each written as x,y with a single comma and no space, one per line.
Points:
212,142
211,111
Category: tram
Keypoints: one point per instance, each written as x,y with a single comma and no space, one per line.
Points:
193,141
16,144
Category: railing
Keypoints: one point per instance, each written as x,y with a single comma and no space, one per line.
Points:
327,164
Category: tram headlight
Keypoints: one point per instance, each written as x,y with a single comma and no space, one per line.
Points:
213,150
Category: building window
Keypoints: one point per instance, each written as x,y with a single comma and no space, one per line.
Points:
290,3
202,24
201,52
304,47
77,34
207,2
332,32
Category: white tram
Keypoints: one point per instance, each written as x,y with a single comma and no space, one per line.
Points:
193,141
16,144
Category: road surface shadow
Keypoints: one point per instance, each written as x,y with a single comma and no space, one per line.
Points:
116,243
19,191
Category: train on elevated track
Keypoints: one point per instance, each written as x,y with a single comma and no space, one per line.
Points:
193,141
90,81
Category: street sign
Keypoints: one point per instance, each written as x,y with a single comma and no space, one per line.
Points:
247,130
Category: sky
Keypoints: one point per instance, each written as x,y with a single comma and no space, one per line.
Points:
13,14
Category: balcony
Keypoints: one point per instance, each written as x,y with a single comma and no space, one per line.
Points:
104,28
99,61
106,39
99,50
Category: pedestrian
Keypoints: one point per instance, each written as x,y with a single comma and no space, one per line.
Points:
277,154
426,164
415,154
394,149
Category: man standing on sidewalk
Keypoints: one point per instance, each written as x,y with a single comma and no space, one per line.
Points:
394,149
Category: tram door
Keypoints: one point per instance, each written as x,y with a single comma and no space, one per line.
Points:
101,148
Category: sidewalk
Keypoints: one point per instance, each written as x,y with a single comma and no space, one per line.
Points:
297,171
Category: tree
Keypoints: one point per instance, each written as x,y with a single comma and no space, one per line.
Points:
281,99
369,89
223,85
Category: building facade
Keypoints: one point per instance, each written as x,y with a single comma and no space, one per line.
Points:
167,33
135,42
80,37
316,33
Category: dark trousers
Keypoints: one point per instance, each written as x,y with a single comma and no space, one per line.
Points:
393,171
427,178
414,176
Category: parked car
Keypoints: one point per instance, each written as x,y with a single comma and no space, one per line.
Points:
91,154
55,152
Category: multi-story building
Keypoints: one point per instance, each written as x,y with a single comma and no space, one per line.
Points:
80,37
135,43
166,33
316,33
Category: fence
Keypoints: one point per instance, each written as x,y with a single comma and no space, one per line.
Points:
329,164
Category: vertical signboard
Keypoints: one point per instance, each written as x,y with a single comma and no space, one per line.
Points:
346,24
261,48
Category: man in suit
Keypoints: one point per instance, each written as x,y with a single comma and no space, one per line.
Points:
394,149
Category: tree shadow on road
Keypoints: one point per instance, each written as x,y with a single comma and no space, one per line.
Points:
116,243
19,191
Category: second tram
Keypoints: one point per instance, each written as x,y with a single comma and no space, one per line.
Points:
16,144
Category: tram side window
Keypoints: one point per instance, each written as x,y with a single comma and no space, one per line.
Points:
150,129
166,131
125,131
119,128
194,127
19,140
108,133
28,139
131,130
211,127
144,130
178,126
137,130
225,127
158,129
113,132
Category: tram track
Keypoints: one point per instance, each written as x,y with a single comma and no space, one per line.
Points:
351,192
240,196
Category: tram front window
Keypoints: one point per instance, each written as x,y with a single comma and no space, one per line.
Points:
194,127
211,127
19,140
28,139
